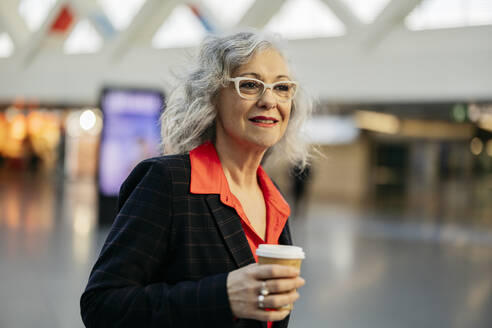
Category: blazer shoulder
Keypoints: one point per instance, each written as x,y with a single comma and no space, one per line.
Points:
177,167
158,171
168,164
160,164
169,161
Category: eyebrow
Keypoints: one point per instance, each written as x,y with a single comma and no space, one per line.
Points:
258,76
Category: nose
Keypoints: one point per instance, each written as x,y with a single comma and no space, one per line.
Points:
267,100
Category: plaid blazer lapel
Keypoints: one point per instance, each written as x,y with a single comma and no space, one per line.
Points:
230,227
285,237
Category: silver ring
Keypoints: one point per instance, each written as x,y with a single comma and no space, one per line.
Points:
261,298
263,290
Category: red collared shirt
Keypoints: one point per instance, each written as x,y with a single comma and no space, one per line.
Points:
207,177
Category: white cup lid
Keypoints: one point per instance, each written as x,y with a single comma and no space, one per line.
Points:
280,251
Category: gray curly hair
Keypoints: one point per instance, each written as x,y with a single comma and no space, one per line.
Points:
189,117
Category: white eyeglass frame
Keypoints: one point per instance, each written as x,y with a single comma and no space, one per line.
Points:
266,86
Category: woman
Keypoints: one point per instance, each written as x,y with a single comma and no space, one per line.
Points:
181,252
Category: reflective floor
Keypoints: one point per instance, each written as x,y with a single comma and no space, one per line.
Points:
365,267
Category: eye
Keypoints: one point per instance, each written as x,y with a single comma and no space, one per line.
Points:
249,85
283,87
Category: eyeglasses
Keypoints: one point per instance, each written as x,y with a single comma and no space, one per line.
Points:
253,89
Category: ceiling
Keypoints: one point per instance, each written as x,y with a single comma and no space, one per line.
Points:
343,51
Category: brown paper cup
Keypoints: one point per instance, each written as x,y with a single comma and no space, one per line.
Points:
270,260
270,257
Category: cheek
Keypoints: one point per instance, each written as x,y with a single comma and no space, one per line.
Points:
230,108
232,117
286,112
224,109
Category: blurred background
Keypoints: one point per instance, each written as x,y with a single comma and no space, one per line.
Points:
395,212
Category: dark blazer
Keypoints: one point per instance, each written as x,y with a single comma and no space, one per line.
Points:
166,259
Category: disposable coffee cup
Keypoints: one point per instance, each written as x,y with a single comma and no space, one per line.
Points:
283,255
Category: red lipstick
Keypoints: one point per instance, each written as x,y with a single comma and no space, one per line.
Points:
264,121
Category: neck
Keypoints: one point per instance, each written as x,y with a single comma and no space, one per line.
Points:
239,162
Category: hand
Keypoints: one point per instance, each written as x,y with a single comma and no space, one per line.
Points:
244,284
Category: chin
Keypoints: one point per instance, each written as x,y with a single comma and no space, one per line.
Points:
265,143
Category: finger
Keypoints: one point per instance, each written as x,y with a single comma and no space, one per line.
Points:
279,300
271,271
283,285
273,315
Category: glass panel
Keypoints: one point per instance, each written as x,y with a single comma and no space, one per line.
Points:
434,14
180,29
83,39
366,10
235,10
304,19
121,13
6,45
34,12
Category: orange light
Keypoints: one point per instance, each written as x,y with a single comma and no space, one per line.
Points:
3,131
18,127
34,123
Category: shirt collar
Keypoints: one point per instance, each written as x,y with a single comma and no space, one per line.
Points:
206,171
207,177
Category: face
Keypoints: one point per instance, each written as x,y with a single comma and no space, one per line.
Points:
257,123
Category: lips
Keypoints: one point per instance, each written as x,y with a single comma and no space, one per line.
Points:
263,120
